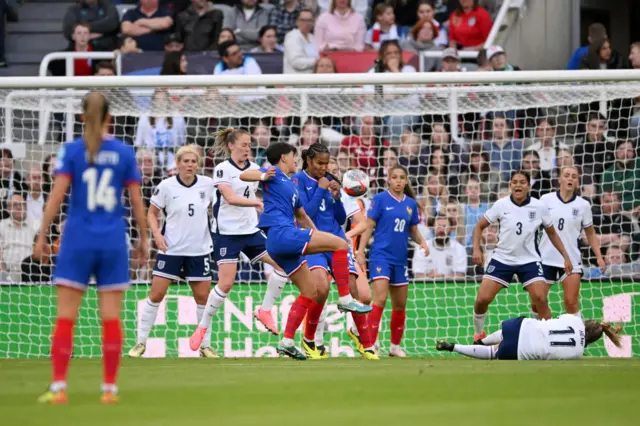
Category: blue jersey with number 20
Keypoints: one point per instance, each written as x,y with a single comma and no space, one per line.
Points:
393,219
95,215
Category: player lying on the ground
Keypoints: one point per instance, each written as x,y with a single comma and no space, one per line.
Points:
529,339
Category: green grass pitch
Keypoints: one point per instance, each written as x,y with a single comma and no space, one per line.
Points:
391,392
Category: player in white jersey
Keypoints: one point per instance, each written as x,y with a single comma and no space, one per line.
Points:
519,217
235,230
528,339
184,243
570,214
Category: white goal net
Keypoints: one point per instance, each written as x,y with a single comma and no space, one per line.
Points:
459,142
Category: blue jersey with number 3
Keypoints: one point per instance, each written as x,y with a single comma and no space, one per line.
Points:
326,212
281,199
95,215
393,219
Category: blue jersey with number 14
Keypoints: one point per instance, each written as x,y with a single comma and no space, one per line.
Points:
393,219
95,216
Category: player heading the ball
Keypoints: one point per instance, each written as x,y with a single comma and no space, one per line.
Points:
287,244
519,217
97,168
529,339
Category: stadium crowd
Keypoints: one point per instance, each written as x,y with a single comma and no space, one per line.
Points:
457,178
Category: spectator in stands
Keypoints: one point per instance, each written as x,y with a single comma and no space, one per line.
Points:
498,59
262,137
343,160
226,34
447,258
300,48
233,62
483,61
199,26
602,57
129,45
480,169
469,26
381,177
409,157
341,28
161,130
149,24
48,164
174,63
617,266
383,29
102,19
361,7
324,65
541,181
451,60
404,11
10,181
634,55
624,114
434,196
504,151
268,41
17,233
426,11
545,143
310,134
285,18
422,39
81,67
440,138
151,176
453,211
246,20
173,43
363,147
473,208
596,31
623,177
613,228
104,69
595,152
35,197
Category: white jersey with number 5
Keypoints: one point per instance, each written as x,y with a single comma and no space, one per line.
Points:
186,215
560,338
234,220
519,226
569,218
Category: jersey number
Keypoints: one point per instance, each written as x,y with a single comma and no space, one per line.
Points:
293,200
207,268
100,193
560,224
246,192
191,210
323,207
399,225
519,231
570,342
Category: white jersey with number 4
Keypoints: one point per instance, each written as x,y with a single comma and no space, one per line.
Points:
569,218
234,220
560,338
186,215
519,226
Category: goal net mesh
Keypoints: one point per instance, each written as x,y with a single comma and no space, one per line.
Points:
459,144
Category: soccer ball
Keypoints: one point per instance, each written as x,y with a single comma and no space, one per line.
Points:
355,182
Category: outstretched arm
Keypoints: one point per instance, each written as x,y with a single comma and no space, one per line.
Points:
257,175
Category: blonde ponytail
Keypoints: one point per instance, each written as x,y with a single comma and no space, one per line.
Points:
612,332
95,110
223,137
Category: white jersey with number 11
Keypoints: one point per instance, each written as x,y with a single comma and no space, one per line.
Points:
560,338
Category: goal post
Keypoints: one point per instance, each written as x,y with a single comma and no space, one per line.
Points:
456,133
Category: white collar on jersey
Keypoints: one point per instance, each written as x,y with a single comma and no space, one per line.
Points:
394,197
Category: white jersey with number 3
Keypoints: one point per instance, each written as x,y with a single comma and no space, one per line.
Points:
569,218
186,215
234,220
519,226
560,338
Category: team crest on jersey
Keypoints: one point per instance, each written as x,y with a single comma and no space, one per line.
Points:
379,269
161,264
202,195
575,212
223,251
219,173
294,180
409,210
490,269
532,216
472,21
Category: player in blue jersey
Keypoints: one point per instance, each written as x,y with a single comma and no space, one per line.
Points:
394,215
320,194
287,244
95,243
519,217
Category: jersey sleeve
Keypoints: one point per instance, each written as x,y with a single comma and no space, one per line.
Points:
415,215
375,209
587,217
545,215
132,172
493,213
351,206
158,198
64,165
220,175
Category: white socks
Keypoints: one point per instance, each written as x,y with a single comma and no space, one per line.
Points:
149,313
206,342
275,285
493,339
478,323
319,337
475,351
215,300
343,300
535,315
